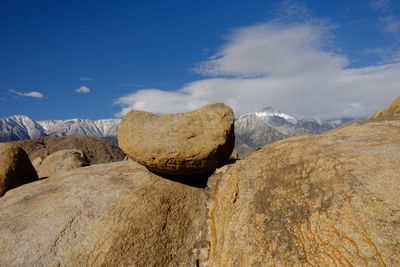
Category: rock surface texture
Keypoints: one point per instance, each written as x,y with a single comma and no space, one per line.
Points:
97,150
37,162
15,168
183,143
115,214
61,161
393,110
320,200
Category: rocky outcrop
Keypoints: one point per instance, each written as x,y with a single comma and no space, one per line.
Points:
61,161
97,150
15,168
120,214
318,200
393,110
314,200
183,143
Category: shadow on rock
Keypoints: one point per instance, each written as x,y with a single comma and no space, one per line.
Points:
196,180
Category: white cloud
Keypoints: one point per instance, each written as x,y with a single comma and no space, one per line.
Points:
33,94
285,66
260,50
86,79
83,90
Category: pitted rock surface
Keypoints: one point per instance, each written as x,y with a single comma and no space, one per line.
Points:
319,200
182,143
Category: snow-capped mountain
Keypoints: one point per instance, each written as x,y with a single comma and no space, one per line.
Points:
22,127
269,113
19,127
252,130
268,125
99,128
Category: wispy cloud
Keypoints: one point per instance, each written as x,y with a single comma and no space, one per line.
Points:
86,79
83,90
379,4
33,94
391,24
389,19
283,65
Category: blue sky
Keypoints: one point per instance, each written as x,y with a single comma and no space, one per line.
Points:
99,59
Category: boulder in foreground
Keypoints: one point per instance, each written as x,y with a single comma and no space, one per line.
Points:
15,168
120,214
183,143
61,161
316,200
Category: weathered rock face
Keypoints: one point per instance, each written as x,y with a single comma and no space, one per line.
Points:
114,214
15,168
393,110
61,161
321,200
183,143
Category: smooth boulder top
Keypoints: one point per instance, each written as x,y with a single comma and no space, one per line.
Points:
393,110
179,144
15,168
62,161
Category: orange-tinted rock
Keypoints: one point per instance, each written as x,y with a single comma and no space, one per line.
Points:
183,143
319,200
393,110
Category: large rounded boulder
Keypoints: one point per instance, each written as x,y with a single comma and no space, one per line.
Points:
181,144
15,168
62,161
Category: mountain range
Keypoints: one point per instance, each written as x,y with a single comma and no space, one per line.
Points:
252,130
255,129
22,127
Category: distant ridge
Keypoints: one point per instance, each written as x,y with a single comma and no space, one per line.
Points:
252,130
21,127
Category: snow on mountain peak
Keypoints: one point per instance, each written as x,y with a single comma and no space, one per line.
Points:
22,127
268,112
19,127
